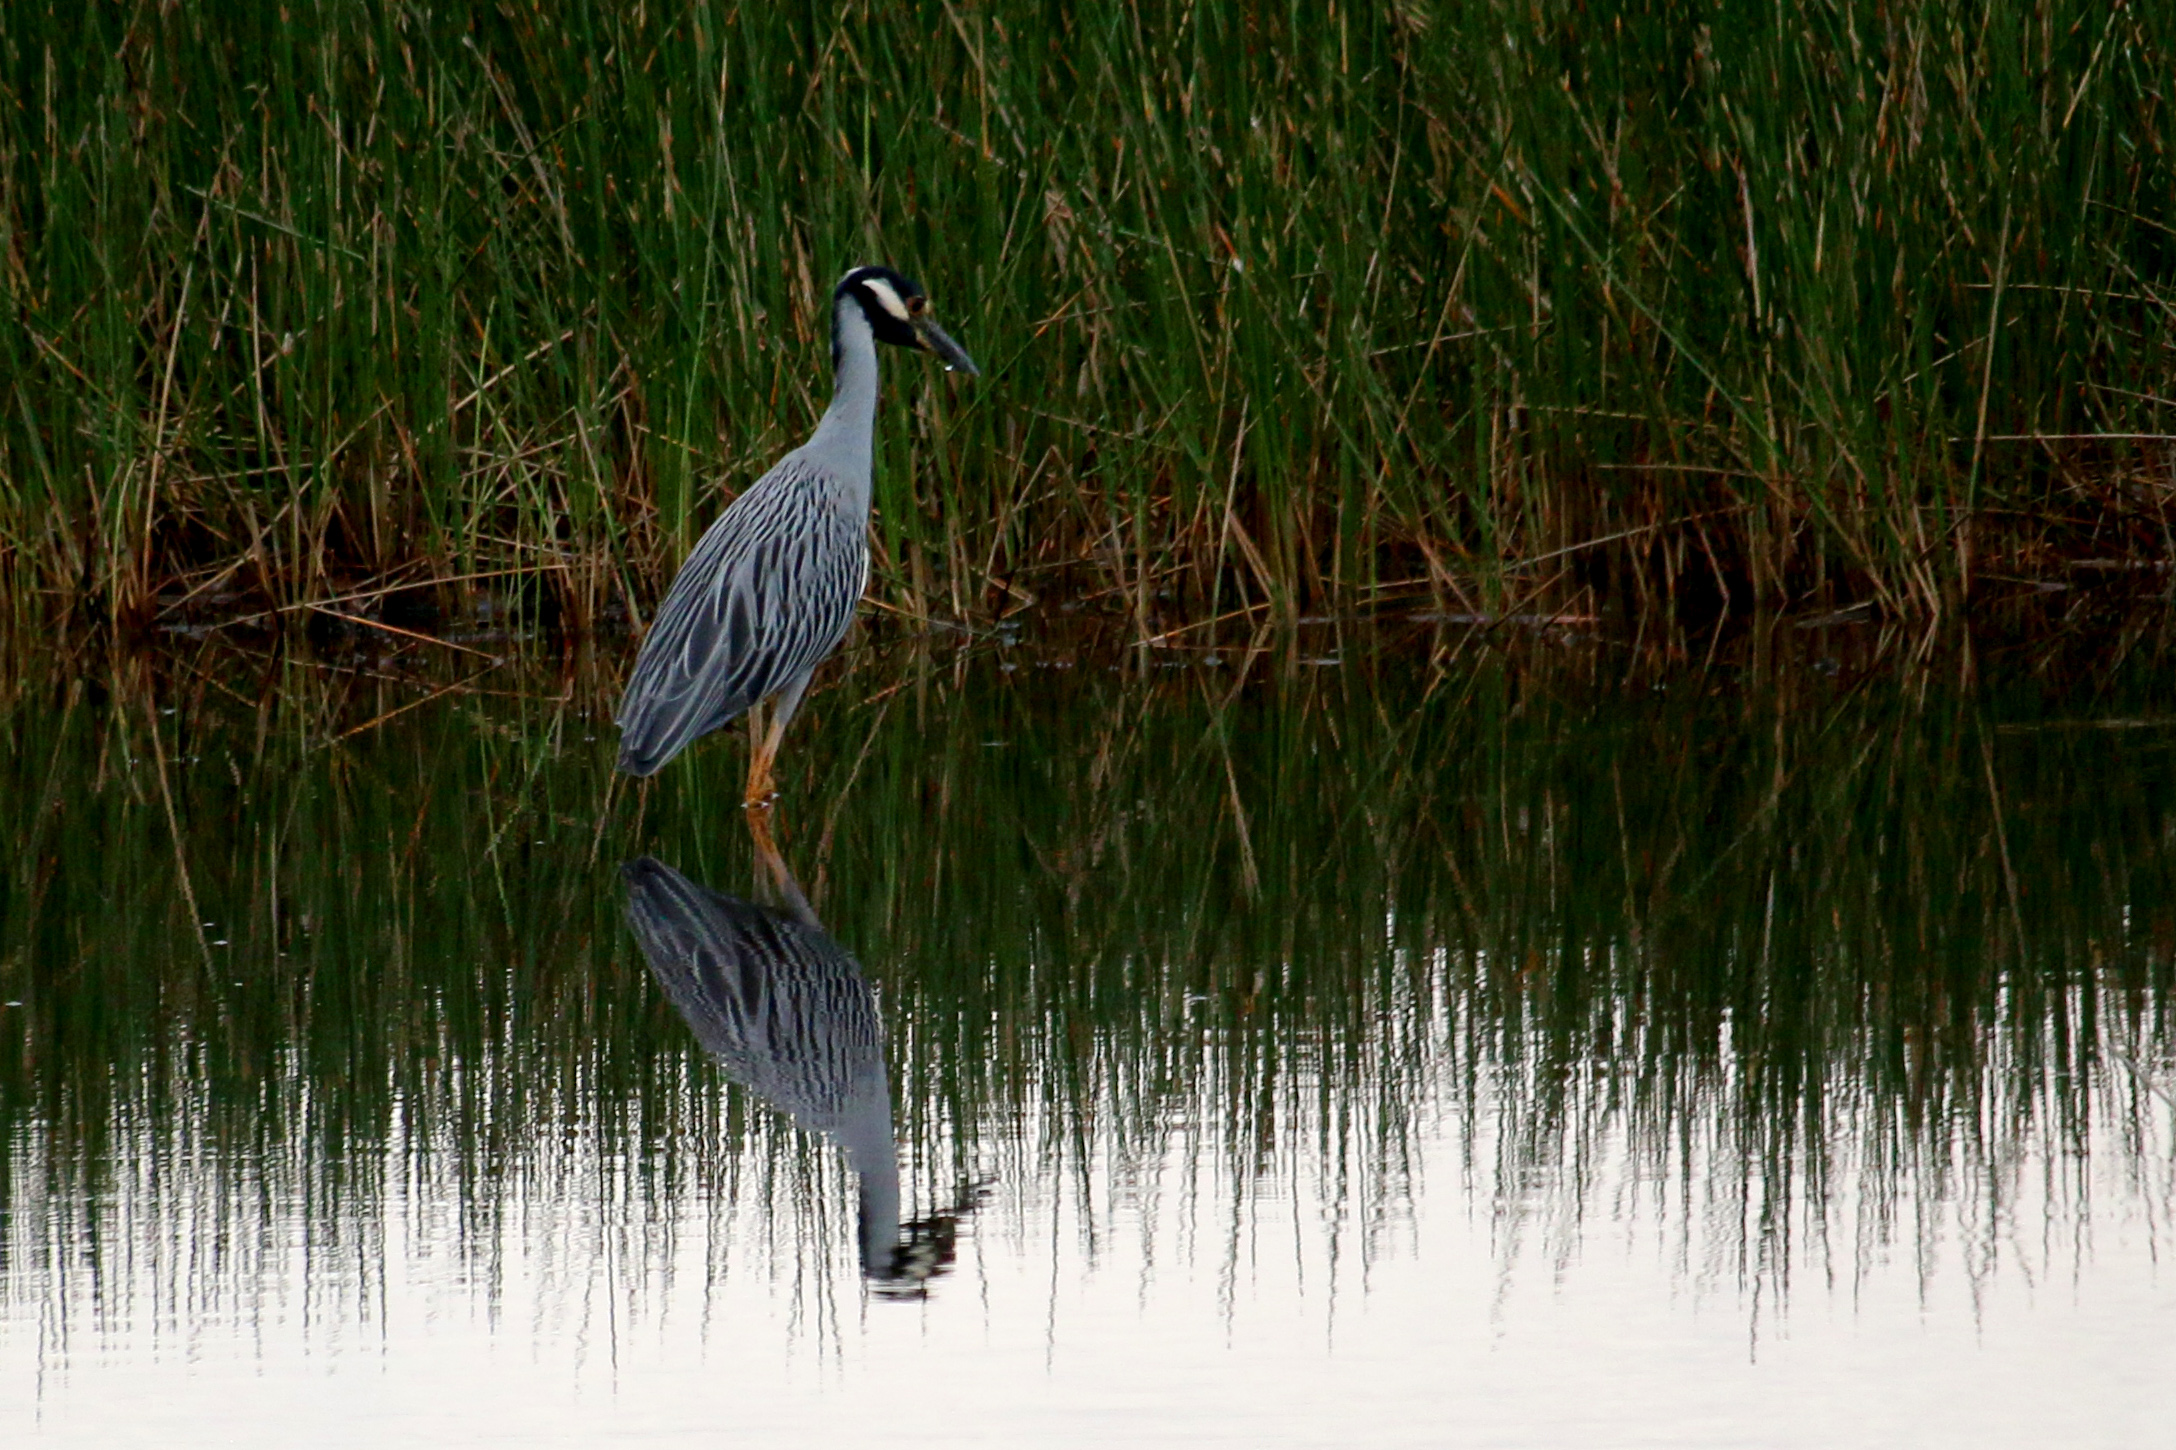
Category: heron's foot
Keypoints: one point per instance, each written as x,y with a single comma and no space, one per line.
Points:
761,793
761,789
759,830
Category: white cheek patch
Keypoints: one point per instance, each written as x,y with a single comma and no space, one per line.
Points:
887,298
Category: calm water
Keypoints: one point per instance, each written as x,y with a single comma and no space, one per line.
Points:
1542,1044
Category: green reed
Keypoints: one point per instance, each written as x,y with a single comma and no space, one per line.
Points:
307,931
1281,306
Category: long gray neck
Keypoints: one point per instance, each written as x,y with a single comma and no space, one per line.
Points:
864,1130
846,438
876,1216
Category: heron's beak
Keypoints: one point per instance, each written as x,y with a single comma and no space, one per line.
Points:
935,339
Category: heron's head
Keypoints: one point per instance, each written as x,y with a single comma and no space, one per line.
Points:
898,313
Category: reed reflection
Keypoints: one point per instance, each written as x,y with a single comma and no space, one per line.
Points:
1793,979
787,1013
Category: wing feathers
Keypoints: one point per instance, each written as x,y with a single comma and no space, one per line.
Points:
767,593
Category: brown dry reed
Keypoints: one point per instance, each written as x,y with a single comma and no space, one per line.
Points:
1283,307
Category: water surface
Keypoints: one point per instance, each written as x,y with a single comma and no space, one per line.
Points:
1356,1040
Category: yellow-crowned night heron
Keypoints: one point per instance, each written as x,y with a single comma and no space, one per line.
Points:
787,1013
771,588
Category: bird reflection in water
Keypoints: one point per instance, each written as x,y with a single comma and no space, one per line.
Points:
786,1012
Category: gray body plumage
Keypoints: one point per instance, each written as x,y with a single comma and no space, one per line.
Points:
765,598
787,1013
770,590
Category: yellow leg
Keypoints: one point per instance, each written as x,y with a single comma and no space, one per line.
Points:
764,740
762,750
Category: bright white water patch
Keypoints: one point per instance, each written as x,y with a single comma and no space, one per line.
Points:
1138,1302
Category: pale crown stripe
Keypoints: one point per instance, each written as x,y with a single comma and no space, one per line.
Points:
887,298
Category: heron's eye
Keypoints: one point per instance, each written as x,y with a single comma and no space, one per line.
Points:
917,305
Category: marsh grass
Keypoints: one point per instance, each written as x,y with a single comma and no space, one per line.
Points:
1283,307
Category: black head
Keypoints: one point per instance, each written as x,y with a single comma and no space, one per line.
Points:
898,313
